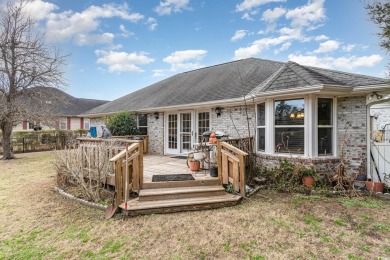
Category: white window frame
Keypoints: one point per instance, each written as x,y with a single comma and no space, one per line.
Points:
138,126
197,112
261,126
87,121
310,125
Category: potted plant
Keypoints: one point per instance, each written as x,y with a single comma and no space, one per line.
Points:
193,164
309,176
213,170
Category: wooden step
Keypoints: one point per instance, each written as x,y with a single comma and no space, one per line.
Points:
136,207
180,193
173,184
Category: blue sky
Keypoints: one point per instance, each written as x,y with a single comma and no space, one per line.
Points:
120,46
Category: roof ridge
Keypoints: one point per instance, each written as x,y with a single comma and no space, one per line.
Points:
271,79
308,69
292,65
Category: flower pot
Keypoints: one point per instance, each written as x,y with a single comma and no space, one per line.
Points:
375,186
198,156
213,171
194,166
308,181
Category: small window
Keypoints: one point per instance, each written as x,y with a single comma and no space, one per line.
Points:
63,126
30,125
143,124
289,126
203,124
325,126
261,127
86,124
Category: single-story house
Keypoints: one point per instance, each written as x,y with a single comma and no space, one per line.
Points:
292,111
66,113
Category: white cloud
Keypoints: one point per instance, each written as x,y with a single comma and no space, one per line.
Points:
185,60
258,46
321,38
125,33
238,35
250,4
308,15
328,46
343,63
152,23
123,61
349,47
67,25
39,10
284,47
271,16
168,6
246,16
158,73
92,39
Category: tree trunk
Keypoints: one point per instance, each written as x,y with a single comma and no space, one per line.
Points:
6,142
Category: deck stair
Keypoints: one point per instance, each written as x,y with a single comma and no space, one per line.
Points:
167,200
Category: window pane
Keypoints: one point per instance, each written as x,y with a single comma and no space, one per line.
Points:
325,111
325,141
143,130
261,114
260,139
289,140
142,120
289,112
203,124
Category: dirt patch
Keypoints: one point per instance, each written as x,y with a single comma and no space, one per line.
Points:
36,222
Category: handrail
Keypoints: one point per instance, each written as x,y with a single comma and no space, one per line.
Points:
231,166
122,153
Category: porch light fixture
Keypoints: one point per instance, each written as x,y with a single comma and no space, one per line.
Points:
378,97
156,115
218,111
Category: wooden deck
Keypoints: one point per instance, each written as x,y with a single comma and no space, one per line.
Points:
204,192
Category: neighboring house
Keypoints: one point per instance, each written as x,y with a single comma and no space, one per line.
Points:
66,113
293,111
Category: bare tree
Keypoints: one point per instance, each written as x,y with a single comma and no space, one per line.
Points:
29,70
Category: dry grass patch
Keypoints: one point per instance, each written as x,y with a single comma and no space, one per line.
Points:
38,223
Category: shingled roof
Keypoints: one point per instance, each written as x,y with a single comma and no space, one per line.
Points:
231,80
293,75
220,82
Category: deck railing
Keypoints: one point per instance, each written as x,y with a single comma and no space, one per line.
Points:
231,166
128,165
145,140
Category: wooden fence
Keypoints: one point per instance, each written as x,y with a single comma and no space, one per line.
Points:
231,166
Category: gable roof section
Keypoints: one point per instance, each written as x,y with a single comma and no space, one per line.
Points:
219,82
293,75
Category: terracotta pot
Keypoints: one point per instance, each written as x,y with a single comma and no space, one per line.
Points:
308,181
375,186
194,166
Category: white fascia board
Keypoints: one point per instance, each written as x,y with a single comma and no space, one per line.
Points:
371,88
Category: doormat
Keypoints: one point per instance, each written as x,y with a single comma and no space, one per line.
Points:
173,177
180,157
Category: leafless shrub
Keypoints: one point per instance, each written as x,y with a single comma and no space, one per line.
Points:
86,166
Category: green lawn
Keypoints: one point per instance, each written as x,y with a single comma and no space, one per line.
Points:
36,222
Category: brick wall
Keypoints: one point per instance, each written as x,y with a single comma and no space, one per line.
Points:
156,134
233,122
352,114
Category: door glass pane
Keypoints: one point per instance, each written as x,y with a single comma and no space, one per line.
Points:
203,124
325,146
186,127
289,140
172,131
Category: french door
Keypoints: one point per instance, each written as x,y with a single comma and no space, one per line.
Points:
179,132
183,129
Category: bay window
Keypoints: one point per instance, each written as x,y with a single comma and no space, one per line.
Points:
261,127
325,126
289,126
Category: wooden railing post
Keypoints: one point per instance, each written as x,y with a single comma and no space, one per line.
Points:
141,164
242,175
219,160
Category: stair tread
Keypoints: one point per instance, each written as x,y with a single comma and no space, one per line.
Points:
139,205
179,190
